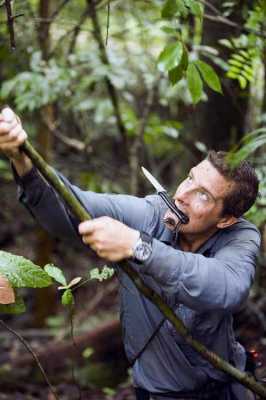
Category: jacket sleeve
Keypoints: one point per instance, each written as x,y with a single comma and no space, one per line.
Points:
51,212
207,283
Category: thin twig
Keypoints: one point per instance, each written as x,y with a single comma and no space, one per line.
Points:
104,58
59,9
108,22
10,24
219,18
71,319
77,30
137,145
31,351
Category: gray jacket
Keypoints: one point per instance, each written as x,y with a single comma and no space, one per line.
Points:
204,288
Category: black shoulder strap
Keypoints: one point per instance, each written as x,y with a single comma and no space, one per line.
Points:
154,333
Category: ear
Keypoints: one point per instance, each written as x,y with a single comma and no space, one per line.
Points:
226,221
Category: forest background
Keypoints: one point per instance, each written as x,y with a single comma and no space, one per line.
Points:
104,87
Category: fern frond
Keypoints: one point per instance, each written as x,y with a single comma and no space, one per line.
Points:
241,66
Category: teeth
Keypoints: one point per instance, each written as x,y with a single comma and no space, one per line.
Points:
170,221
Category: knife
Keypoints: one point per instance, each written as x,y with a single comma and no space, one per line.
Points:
166,198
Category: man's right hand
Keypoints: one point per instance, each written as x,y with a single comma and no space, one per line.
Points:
12,136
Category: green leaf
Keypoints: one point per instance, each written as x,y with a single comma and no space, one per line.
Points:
245,54
74,281
237,63
15,308
194,83
22,272
227,43
242,82
170,57
7,88
102,275
68,298
239,58
182,8
177,73
232,74
246,75
170,9
209,76
249,144
109,391
196,9
169,30
55,273
87,352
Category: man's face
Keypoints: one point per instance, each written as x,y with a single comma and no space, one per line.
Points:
200,196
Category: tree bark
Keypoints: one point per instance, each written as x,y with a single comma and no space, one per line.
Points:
44,243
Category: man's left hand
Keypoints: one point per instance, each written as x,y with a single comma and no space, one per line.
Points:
109,238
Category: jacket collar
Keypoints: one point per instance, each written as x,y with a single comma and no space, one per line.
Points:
171,238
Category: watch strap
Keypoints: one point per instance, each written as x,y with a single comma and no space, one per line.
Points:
145,237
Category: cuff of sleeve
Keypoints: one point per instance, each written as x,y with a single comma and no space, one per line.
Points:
27,178
161,261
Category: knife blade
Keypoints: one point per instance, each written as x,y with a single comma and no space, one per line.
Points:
161,191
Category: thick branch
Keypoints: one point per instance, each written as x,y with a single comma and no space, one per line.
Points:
242,377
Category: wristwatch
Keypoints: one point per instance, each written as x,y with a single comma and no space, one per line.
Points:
143,248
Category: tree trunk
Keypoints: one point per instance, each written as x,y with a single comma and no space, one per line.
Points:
219,122
44,243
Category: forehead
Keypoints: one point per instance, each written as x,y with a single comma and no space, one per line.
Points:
206,175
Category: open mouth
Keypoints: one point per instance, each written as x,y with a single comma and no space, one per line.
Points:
171,220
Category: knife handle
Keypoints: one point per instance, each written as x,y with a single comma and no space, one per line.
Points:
183,217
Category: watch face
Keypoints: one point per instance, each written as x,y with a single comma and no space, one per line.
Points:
143,251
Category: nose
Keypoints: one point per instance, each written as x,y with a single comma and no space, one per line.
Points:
182,195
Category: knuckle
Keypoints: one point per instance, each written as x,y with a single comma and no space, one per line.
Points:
24,134
85,239
14,133
99,246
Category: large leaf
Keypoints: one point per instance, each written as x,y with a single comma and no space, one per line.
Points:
170,57
209,76
55,273
22,272
7,294
15,308
170,9
177,73
194,83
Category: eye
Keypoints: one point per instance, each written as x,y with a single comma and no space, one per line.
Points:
189,178
203,196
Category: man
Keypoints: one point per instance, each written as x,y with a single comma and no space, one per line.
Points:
204,271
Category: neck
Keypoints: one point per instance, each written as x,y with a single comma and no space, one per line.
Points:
192,243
